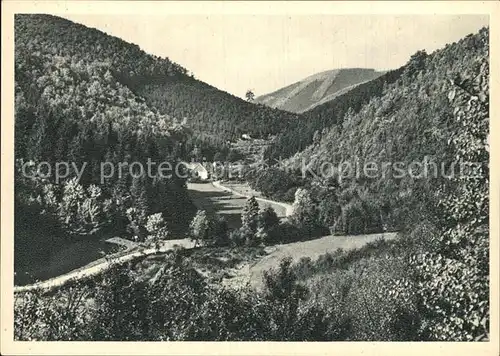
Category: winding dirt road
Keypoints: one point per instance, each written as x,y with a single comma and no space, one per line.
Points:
101,265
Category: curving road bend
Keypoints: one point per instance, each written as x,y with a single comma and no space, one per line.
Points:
101,265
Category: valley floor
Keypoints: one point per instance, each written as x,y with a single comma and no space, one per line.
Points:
216,198
86,257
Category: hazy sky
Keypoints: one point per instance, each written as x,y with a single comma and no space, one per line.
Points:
264,53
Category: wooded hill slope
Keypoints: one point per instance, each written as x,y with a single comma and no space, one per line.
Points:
317,89
214,115
407,126
412,119
424,141
70,107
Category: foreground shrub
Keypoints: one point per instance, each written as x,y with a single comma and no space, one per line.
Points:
372,298
453,278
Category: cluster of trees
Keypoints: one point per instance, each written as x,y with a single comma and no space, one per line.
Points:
258,227
78,210
209,231
323,207
313,215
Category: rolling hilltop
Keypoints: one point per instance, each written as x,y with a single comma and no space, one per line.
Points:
301,133
317,89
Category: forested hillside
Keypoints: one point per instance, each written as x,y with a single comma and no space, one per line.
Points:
424,141
214,115
412,121
317,89
408,121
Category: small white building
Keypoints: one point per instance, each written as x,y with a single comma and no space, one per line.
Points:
198,171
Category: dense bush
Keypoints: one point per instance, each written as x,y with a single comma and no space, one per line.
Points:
453,277
176,304
373,296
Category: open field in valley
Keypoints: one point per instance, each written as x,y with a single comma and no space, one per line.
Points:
312,249
212,199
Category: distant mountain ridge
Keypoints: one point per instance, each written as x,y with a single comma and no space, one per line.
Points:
317,89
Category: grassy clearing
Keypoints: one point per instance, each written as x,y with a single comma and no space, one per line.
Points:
312,249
